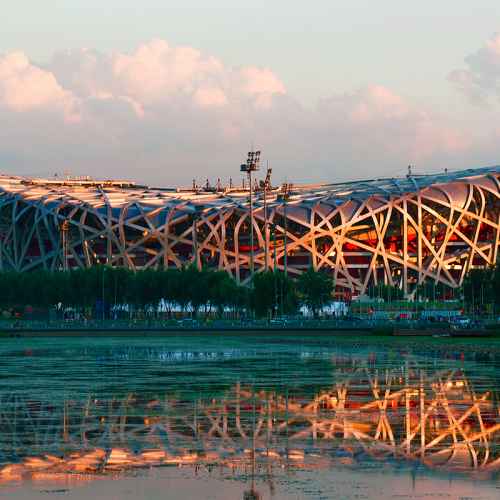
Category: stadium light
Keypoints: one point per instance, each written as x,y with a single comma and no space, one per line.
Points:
252,165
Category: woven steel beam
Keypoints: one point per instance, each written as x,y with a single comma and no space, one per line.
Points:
398,232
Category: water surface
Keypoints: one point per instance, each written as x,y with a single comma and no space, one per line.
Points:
221,416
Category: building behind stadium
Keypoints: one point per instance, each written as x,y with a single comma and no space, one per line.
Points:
396,231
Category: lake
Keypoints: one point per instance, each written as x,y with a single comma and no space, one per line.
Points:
249,416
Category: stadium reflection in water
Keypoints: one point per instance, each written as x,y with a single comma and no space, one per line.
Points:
442,416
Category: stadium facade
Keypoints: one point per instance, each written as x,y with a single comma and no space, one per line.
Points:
396,231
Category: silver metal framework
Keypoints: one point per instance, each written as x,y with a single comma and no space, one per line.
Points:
397,231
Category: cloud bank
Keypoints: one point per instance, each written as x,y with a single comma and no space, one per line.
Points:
481,79
165,114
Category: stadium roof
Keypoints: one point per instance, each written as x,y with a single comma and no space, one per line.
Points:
117,193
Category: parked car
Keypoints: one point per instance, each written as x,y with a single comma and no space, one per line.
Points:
278,321
188,322
460,322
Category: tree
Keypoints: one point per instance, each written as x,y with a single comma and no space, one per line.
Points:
263,295
221,289
496,287
480,288
118,289
315,289
387,292
181,288
197,285
273,291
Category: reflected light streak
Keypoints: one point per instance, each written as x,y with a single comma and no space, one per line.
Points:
434,419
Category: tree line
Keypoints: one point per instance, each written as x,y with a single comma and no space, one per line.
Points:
481,290
102,291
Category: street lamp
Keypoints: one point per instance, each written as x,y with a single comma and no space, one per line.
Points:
64,234
103,313
196,217
266,185
273,232
275,267
252,165
285,197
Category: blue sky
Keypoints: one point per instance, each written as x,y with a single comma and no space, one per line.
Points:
318,50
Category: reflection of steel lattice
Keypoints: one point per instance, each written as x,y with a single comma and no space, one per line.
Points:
439,420
395,231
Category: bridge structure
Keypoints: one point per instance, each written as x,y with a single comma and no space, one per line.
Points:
438,419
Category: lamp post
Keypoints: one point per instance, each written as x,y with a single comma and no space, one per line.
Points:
103,314
64,234
275,260
266,186
266,250
252,165
196,218
285,261
284,197
275,265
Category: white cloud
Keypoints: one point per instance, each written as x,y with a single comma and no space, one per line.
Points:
158,73
208,97
165,114
25,87
257,81
481,78
374,123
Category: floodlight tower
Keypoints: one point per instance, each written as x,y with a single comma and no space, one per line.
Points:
266,185
252,165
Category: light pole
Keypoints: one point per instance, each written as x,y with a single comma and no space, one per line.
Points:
275,259
285,261
103,271
285,196
266,186
252,165
275,276
196,218
64,234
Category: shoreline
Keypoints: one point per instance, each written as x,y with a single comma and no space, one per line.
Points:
296,330
165,332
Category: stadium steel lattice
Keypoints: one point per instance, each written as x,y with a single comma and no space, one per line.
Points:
397,231
436,418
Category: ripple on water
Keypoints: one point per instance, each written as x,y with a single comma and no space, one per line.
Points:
249,405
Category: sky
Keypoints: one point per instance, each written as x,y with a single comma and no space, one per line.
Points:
163,91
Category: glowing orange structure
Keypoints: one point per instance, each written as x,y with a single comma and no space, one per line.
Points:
437,419
400,232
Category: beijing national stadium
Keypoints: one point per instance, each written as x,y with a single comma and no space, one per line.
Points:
396,231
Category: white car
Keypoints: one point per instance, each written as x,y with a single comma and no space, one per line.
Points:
460,321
